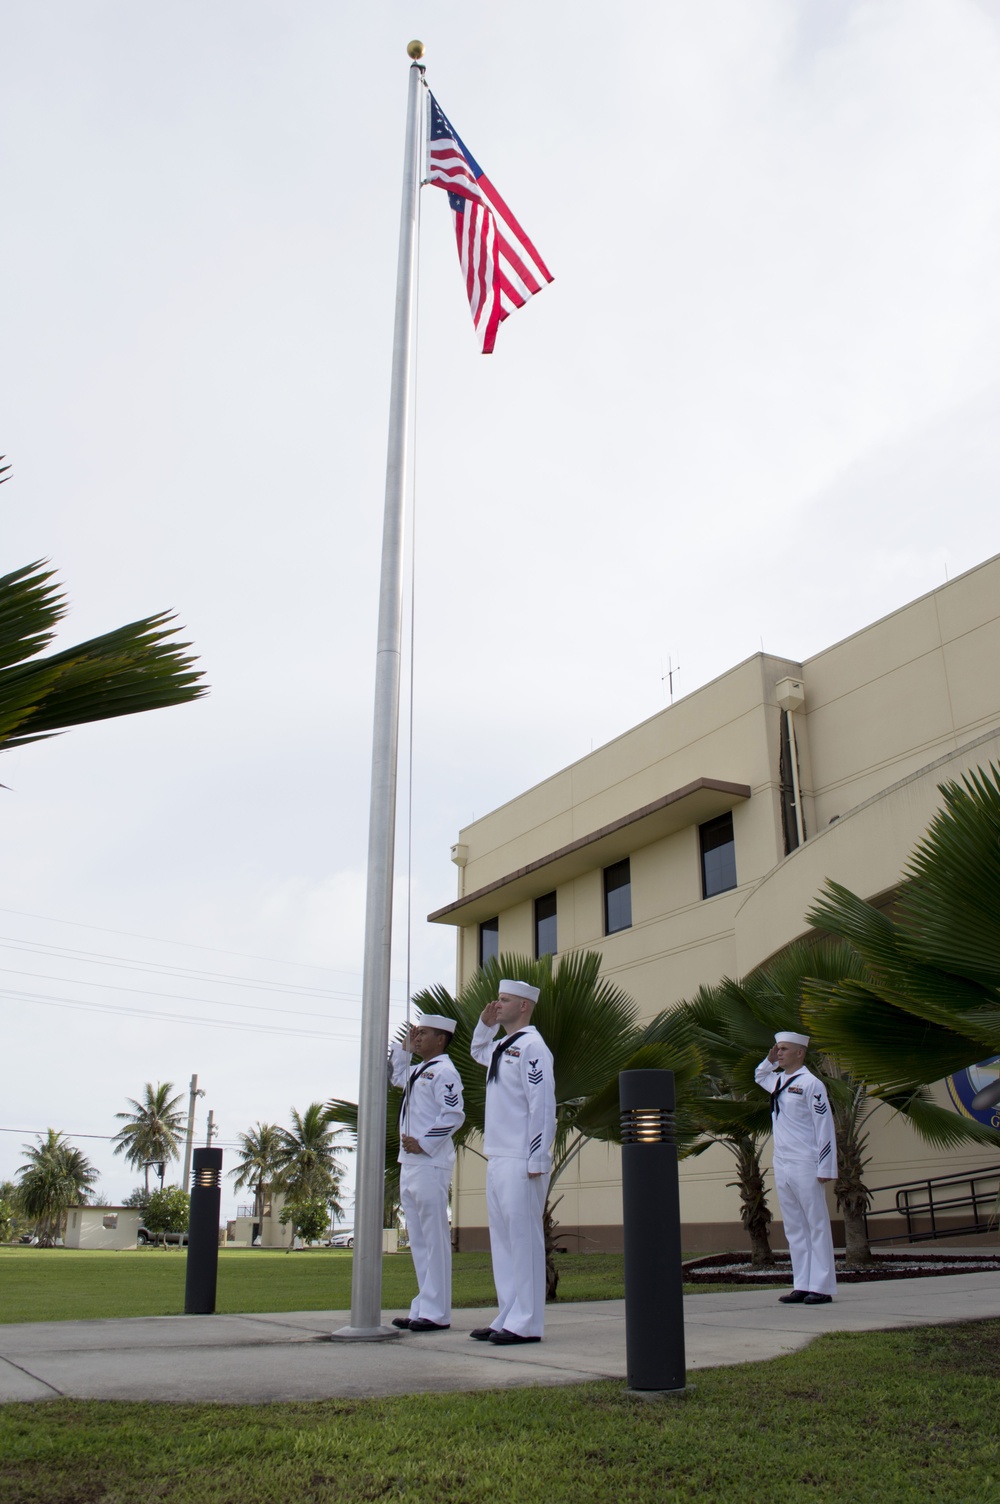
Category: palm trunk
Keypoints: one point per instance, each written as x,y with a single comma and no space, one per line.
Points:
755,1213
549,1225
853,1196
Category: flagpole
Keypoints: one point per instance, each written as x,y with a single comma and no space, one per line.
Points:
366,1284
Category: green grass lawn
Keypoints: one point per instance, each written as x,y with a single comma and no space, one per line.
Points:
898,1417
63,1284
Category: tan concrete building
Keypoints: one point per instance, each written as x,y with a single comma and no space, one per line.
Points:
691,847
270,1230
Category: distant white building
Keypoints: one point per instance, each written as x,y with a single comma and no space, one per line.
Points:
102,1227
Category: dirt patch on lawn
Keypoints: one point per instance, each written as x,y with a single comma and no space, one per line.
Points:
736,1268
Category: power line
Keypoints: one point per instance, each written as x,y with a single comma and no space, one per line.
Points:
155,1014
100,958
183,944
181,997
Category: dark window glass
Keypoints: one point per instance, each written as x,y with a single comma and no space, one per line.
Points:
489,941
718,856
789,827
545,925
617,897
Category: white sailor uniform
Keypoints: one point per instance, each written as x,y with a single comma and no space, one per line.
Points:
520,1128
431,1111
805,1147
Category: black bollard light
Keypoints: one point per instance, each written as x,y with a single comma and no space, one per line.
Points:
203,1233
654,1303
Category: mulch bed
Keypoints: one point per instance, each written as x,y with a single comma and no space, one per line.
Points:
735,1268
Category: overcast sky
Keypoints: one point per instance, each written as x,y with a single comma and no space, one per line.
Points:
757,406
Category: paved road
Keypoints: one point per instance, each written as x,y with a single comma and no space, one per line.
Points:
254,1359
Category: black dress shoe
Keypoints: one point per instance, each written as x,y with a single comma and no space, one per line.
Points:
403,1322
794,1297
503,1338
482,1333
812,1299
420,1325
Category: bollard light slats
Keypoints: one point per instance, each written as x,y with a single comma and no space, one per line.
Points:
647,1125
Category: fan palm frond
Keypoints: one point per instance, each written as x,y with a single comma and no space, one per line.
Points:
132,669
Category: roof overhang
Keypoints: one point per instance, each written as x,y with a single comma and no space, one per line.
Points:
691,805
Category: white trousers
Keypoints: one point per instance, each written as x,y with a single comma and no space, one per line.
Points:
423,1194
807,1229
515,1203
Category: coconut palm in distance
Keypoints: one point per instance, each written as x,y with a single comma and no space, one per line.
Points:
260,1150
309,1168
56,1175
151,1134
930,1003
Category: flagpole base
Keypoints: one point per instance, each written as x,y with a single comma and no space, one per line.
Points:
363,1334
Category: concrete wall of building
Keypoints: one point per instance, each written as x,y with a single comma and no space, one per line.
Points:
865,849
903,692
272,1233
726,730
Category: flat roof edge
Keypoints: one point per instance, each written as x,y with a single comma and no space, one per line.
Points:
715,785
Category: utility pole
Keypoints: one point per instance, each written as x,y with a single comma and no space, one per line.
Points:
212,1130
189,1142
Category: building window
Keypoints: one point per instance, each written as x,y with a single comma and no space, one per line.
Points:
545,925
718,856
489,941
786,784
617,898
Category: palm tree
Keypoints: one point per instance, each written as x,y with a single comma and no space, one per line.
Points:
8,1210
929,1004
56,1176
307,1164
134,668
727,1111
774,995
260,1155
151,1134
590,1026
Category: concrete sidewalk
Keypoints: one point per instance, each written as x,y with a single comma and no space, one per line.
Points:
254,1359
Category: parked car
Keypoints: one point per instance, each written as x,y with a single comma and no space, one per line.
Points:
342,1240
144,1236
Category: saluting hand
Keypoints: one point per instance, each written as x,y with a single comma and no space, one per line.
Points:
489,1013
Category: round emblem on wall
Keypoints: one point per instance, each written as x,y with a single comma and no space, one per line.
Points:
965,1086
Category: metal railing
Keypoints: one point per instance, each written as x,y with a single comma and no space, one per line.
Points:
921,1203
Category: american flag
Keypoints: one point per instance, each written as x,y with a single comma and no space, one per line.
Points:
501,267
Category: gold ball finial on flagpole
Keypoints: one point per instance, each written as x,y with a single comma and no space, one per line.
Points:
415,50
